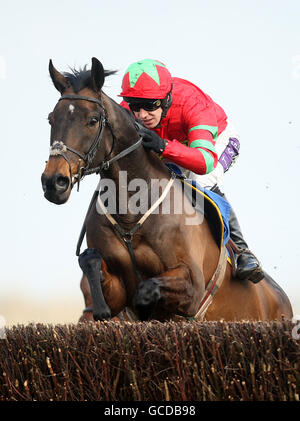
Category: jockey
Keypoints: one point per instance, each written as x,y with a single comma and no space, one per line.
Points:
185,126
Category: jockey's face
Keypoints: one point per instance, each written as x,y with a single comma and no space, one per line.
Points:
150,119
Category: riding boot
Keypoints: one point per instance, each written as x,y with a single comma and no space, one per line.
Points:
248,267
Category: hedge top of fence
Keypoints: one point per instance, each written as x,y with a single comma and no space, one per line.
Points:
150,361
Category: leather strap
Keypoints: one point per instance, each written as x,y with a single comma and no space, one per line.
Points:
105,165
84,98
213,285
83,229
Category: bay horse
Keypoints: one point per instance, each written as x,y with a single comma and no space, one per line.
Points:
160,268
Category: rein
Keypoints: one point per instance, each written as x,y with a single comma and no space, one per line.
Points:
60,148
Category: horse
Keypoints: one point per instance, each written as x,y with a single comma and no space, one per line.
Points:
152,263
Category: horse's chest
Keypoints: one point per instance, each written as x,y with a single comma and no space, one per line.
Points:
121,260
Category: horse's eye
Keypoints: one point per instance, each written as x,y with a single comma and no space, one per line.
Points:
92,121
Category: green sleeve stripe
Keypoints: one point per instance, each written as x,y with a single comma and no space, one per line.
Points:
209,161
199,143
212,129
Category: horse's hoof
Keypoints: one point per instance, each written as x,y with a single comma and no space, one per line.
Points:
102,315
146,297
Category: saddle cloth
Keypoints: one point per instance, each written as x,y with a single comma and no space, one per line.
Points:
215,209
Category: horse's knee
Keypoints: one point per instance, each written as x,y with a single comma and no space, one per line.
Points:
86,317
146,297
90,260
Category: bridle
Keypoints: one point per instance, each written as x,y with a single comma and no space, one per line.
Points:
58,147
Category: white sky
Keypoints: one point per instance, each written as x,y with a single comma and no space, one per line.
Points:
246,55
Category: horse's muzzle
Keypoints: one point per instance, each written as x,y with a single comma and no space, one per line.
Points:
56,188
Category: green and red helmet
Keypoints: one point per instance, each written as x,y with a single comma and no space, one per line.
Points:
146,79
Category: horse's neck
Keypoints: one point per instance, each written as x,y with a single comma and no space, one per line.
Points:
138,164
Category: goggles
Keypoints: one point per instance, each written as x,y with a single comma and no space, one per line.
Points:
146,104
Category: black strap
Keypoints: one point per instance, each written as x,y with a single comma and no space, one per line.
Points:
133,260
105,164
85,98
83,229
89,157
127,238
76,152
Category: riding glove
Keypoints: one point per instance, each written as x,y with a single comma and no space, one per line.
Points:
151,140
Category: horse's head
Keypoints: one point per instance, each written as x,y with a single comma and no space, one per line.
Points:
77,125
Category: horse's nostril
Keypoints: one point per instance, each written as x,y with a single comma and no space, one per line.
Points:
45,182
55,183
62,182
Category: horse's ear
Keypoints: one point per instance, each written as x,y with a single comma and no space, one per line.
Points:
97,75
58,79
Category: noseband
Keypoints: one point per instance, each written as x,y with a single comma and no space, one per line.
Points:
60,148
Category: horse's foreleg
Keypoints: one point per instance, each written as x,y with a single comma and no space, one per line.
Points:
90,263
169,294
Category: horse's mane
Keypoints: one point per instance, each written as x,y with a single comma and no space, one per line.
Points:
81,78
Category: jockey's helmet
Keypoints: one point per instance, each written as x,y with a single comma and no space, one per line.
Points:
146,79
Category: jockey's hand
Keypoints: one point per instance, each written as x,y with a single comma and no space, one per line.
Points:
151,140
